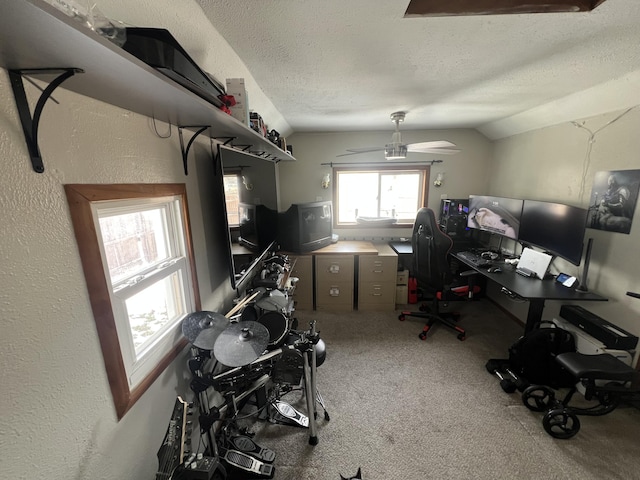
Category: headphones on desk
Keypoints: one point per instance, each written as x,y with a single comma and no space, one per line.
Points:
489,255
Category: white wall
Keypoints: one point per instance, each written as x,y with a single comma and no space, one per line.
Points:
464,173
58,417
552,164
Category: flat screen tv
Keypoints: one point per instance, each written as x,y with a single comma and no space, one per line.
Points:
555,228
306,227
255,187
495,215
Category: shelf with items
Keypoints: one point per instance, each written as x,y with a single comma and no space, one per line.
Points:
38,40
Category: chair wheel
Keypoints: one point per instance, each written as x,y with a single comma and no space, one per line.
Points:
538,398
423,335
401,317
462,337
561,423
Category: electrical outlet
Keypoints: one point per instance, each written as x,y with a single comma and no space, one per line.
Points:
318,199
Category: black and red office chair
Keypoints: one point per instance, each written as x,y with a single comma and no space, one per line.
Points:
431,248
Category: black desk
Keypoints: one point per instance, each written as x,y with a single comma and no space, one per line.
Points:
534,290
401,248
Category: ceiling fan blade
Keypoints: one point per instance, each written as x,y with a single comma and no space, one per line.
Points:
420,147
354,151
439,151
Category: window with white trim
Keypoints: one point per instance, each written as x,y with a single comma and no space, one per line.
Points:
391,192
136,251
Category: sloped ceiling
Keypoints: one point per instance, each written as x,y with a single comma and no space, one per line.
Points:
338,65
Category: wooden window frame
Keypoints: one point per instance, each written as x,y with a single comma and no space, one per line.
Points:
422,202
80,198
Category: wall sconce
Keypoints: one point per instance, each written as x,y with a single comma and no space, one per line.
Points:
246,181
326,181
439,180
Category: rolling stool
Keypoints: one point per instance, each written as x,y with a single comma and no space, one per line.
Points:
591,371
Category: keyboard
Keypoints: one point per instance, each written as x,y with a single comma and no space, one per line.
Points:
474,259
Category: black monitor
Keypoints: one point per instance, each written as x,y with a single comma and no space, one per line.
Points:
555,228
306,227
495,215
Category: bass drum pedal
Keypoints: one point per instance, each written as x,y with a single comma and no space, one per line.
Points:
245,462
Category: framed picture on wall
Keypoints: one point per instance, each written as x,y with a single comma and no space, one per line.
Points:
613,200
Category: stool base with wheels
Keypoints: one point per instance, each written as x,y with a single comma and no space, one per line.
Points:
605,379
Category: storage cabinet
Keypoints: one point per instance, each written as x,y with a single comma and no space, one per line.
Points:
303,292
377,282
334,282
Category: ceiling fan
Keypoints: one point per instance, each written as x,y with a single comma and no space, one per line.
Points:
397,150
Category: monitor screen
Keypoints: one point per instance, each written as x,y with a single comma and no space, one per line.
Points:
554,227
495,215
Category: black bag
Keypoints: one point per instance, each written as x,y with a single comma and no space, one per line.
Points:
532,357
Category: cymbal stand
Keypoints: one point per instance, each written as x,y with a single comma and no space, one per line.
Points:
310,371
206,418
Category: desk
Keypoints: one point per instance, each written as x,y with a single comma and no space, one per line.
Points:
401,248
532,289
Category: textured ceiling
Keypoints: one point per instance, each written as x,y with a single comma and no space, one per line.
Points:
336,65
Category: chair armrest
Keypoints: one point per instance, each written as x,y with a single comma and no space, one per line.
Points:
468,273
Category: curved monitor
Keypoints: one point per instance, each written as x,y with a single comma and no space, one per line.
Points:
554,227
495,215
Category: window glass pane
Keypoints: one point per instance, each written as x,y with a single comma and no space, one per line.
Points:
154,308
232,199
357,192
399,195
133,242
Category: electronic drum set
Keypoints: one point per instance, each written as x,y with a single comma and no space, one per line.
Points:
254,350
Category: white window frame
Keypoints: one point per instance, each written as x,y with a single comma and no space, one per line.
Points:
423,194
139,365
130,375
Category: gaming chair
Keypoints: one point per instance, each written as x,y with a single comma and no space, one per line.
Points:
431,268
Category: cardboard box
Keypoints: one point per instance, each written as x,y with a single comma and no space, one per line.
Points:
240,111
403,277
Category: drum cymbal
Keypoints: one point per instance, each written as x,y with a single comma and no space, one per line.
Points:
241,343
203,328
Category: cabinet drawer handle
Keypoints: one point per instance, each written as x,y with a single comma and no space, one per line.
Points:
378,271
334,292
334,268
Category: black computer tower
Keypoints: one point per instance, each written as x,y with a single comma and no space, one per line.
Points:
453,217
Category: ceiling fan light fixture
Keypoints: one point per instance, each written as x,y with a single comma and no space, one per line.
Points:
394,151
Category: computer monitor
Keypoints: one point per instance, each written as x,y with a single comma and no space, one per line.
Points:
555,228
495,215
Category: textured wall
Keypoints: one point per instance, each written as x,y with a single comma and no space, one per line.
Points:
58,418
552,164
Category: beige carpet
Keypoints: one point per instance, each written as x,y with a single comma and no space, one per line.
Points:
406,409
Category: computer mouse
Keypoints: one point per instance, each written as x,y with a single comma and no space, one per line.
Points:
494,270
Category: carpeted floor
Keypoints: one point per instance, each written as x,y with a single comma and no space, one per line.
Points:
406,409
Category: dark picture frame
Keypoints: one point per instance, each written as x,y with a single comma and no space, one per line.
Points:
614,196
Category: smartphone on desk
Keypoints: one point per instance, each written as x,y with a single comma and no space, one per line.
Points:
566,280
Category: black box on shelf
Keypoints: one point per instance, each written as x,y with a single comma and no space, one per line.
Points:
609,334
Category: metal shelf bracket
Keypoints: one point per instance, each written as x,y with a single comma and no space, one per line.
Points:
30,123
185,151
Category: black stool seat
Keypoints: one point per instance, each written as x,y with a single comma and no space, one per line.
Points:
603,366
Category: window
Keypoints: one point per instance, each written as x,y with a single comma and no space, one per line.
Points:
396,192
137,256
232,197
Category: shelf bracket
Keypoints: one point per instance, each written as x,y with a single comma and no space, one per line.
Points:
30,123
185,152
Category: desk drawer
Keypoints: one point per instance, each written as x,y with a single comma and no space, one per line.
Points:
334,268
334,296
377,296
375,268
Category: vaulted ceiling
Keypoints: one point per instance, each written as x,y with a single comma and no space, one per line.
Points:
336,65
